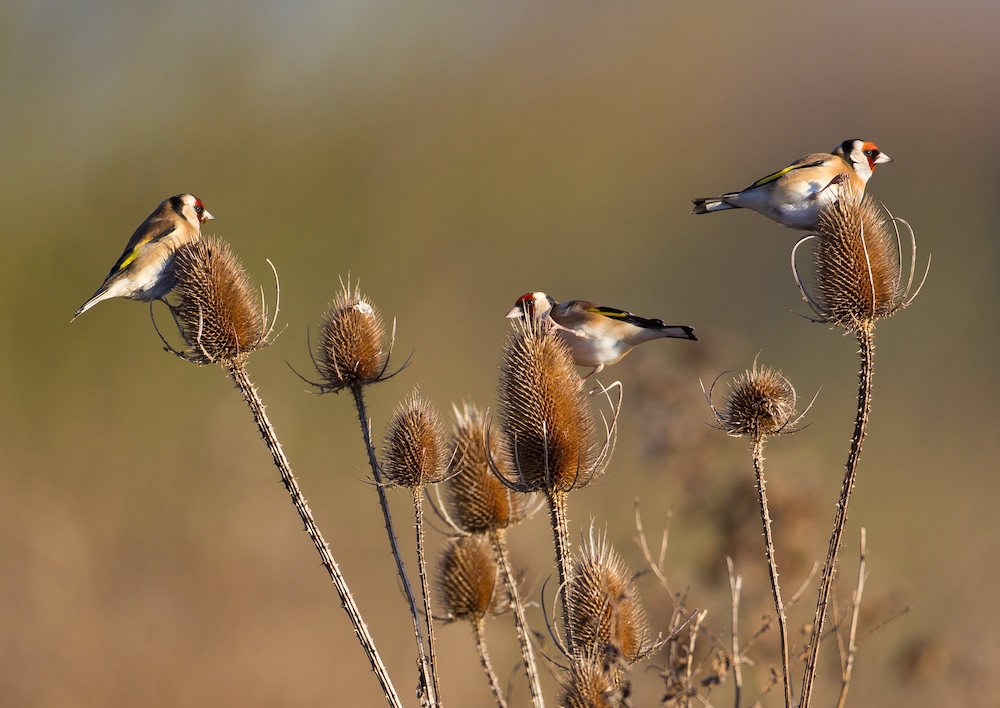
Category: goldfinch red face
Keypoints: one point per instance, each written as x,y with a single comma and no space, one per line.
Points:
530,306
193,209
874,155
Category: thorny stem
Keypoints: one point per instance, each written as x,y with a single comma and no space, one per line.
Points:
560,537
238,373
852,643
418,514
866,352
359,404
499,541
757,449
484,658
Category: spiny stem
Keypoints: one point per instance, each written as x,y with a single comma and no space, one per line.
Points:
418,514
560,537
757,449
484,658
359,404
866,352
238,373
499,540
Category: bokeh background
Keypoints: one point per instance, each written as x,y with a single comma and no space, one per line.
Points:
453,156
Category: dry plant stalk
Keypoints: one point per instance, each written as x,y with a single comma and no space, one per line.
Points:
548,432
761,402
354,353
416,455
221,320
479,503
471,589
859,276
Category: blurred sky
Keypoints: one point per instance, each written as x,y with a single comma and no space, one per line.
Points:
453,156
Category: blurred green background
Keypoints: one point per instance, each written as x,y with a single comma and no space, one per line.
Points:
453,156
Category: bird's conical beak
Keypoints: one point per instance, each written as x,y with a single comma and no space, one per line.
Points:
882,159
515,313
206,216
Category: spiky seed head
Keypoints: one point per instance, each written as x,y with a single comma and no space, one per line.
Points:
590,683
760,402
547,425
352,348
857,264
219,311
478,501
606,612
470,580
415,452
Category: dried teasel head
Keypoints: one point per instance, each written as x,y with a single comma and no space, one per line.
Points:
858,264
478,501
469,579
760,402
353,350
415,452
547,426
592,682
606,612
219,312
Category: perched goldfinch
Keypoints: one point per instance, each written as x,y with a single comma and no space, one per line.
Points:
796,195
596,335
143,271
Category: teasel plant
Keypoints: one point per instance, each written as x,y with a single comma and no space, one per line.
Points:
354,353
760,403
469,580
548,434
858,264
607,616
415,455
477,503
223,320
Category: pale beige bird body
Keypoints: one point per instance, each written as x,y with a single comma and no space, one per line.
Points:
596,335
796,195
144,270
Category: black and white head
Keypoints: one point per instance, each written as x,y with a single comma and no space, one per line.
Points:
863,156
531,306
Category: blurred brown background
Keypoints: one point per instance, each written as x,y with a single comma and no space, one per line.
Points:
453,156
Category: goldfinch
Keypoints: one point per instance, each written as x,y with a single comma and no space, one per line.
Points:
144,269
795,195
596,335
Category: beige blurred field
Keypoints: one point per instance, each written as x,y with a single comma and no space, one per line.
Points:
454,156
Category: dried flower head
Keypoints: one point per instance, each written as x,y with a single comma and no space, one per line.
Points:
477,500
592,682
469,579
415,450
858,262
219,312
353,349
760,402
547,425
605,610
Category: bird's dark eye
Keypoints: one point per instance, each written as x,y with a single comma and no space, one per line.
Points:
199,209
871,153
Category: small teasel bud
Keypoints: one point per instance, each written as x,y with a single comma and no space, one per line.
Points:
415,450
469,579
591,683
605,610
760,402
352,349
547,425
219,311
479,502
